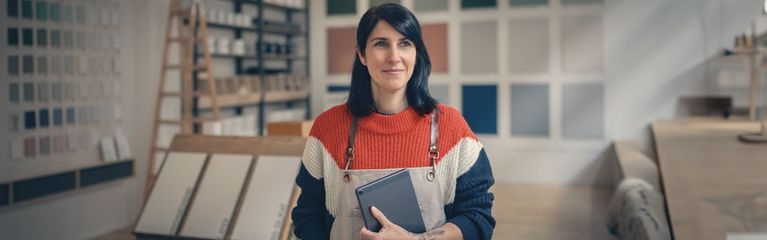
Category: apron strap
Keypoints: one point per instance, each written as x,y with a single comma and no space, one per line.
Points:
433,149
350,148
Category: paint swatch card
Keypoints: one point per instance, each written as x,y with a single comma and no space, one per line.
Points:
123,145
72,141
108,151
17,149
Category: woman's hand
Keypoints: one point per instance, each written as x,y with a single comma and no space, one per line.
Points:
388,230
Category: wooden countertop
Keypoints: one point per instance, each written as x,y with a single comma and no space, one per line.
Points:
714,184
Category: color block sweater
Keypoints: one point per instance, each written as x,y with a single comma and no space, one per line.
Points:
394,141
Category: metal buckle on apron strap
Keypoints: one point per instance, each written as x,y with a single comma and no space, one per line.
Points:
433,150
433,155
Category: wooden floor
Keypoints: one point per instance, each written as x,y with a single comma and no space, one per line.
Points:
550,212
534,212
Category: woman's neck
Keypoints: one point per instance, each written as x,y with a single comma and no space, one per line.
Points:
390,103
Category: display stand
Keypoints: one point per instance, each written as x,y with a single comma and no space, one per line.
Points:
202,152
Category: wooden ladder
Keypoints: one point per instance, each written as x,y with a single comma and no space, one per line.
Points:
191,30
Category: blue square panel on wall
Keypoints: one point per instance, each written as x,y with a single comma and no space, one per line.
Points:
42,37
41,8
58,117
339,89
530,110
13,65
44,118
55,12
480,108
71,116
4,194
340,7
477,4
30,120
583,111
27,36
13,8
26,9
13,37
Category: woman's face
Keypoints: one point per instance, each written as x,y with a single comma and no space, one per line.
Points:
390,59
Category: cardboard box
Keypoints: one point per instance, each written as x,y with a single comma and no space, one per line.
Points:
295,128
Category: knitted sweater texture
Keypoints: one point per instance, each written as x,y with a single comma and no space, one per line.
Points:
394,141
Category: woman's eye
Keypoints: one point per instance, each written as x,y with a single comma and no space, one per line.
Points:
405,44
379,44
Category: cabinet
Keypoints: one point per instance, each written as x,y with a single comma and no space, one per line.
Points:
260,59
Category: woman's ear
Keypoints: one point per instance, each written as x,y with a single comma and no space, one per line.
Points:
360,56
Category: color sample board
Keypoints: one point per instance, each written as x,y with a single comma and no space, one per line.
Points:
262,215
214,203
170,195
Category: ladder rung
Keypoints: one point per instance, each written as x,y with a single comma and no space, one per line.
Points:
200,68
201,120
171,94
176,122
169,122
164,149
176,66
178,94
181,12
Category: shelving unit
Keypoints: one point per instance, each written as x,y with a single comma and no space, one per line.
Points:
253,83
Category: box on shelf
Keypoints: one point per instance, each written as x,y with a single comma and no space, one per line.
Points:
293,128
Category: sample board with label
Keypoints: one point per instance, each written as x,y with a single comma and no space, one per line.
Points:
267,198
213,206
171,193
223,187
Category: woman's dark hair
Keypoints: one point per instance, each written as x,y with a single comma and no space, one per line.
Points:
360,101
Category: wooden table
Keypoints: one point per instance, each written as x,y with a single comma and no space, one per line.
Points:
714,184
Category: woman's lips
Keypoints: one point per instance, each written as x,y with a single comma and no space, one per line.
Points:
393,71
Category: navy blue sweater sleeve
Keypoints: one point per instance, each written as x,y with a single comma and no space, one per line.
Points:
472,208
309,215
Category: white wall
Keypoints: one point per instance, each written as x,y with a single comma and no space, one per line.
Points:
103,208
660,50
654,52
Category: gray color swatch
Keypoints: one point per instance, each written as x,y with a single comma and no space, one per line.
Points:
530,110
583,111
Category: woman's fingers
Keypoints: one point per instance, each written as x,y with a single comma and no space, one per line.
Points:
366,234
380,216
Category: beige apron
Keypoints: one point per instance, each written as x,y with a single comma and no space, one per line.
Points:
430,193
348,221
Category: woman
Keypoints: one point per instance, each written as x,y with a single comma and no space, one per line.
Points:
390,122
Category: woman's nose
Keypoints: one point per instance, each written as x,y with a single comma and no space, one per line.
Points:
393,55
